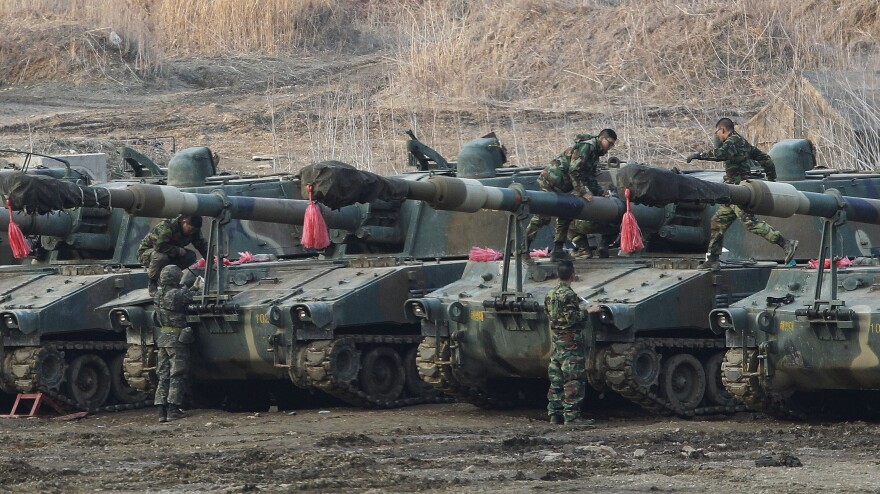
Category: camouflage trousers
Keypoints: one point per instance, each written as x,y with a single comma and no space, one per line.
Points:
568,377
155,261
172,370
726,215
579,230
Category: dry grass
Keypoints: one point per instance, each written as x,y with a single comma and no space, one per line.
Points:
537,71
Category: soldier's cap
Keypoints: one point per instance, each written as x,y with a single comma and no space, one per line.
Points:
194,220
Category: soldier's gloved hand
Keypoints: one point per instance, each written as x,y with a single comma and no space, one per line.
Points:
199,283
695,156
181,251
771,178
587,197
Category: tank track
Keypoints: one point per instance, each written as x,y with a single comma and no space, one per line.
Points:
618,375
317,366
139,361
749,389
440,375
25,379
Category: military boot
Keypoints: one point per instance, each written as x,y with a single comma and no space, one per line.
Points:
712,263
559,252
163,413
556,420
152,288
175,412
580,422
790,248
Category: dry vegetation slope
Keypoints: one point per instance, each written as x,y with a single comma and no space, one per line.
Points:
536,71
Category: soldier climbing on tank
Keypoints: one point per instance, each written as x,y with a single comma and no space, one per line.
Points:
738,155
568,359
173,342
166,244
574,171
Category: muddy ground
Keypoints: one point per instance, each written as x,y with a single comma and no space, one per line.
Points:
434,448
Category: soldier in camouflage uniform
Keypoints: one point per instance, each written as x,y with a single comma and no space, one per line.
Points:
738,156
166,243
567,369
574,171
173,363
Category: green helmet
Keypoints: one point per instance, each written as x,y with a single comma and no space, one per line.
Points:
170,276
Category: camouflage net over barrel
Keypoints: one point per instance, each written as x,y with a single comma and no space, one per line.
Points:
42,194
658,187
336,184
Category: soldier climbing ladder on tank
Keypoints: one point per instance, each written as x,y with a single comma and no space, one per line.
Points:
737,154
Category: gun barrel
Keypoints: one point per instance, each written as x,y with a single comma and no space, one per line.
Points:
766,198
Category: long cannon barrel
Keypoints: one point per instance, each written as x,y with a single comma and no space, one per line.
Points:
766,198
158,201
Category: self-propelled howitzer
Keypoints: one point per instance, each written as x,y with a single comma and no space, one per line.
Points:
56,337
334,323
486,335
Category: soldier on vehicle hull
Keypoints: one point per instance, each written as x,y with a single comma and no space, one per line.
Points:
737,155
574,171
166,244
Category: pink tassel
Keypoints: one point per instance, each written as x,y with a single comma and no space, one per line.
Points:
630,234
538,253
20,246
484,255
315,235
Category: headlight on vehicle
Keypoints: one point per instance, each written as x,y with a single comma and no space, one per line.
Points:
723,321
302,313
10,321
418,310
606,316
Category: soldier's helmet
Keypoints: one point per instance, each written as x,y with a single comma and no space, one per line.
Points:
170,276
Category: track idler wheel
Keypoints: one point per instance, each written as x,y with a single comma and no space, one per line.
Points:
88,381
715,391
382,375
50,368
119,387
414,384
683,381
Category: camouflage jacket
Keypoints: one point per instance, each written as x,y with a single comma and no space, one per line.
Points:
167,237
171,305
576,169
738,156
563,310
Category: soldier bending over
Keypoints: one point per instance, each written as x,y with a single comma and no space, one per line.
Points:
166,243
574,171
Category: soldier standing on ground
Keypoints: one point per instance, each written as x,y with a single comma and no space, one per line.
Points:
574,171
173,343
166,244
737,155
568,360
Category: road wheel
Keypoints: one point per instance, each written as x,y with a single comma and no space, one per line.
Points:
122,392
382,374
345,363
715,391
88,381
644,366
684,381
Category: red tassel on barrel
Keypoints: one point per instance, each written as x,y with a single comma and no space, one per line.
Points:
315,235
20,246
630,234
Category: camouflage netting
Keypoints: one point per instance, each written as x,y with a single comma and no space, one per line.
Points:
658,187
336,184
41,194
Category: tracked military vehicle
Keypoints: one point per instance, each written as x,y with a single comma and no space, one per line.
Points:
333,323
486,335
806,345
55,336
